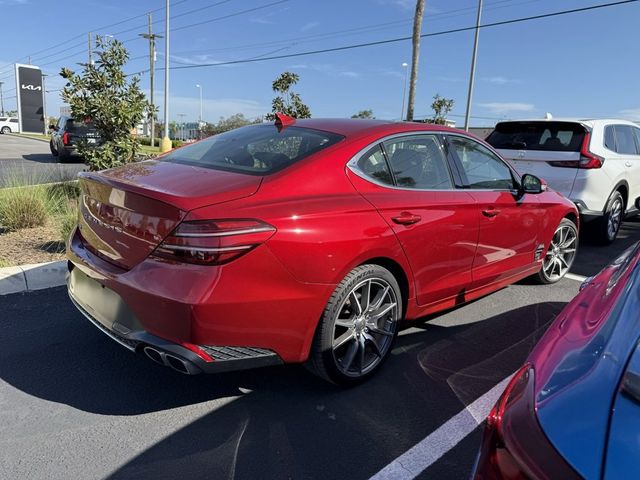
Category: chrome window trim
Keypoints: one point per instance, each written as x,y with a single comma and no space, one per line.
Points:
353,163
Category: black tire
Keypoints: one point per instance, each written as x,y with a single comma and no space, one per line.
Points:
606,228
336,344
560,254
54,150
5,130
63,156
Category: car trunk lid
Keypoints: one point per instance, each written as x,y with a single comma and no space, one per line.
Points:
126,212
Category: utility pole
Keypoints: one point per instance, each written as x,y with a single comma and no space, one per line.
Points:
90,50
152,68
1,100
472,75
166,141
44,105
181,117
404,89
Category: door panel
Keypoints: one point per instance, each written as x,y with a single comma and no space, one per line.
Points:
508,224
436,225
509,235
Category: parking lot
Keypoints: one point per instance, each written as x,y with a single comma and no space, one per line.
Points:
25,160
77,405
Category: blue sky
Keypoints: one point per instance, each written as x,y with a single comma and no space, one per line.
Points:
583,65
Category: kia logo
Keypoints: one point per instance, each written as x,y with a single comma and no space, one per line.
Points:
31,87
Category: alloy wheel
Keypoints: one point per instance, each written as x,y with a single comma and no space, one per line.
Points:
364,327
561,252
615,217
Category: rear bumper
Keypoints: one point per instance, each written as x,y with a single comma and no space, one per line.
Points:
171,354
233,312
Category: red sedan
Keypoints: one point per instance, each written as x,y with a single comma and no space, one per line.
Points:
306,241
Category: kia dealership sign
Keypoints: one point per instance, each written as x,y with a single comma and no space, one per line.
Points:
30,98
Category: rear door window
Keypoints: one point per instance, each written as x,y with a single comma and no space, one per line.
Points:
256,150
625,141
418,162
545,136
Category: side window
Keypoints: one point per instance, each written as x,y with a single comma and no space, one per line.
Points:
375,166
609,138
636,132
14,120
624,139
418,162
483,168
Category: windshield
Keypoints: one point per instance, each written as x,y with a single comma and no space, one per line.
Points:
256,150
546,136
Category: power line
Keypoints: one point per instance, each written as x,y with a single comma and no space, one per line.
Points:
401,39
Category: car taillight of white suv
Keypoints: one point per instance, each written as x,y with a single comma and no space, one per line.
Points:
595,163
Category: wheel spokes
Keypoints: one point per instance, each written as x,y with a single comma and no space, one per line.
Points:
344,338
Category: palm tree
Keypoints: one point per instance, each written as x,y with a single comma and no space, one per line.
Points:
417,27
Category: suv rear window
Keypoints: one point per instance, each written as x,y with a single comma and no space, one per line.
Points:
256,150
545,136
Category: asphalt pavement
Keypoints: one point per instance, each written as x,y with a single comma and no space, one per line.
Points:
74,404
25,160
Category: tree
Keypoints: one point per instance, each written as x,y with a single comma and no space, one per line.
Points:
111,101
417,27
11,113
441,107
287,102
230,123
364,114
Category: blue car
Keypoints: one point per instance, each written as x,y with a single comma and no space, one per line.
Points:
573,409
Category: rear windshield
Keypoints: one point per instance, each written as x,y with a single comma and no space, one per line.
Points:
546,136
256,150
79,128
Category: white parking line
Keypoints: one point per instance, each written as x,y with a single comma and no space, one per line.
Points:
573,276
413,462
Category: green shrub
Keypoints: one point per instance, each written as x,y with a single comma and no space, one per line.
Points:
67,220
23,208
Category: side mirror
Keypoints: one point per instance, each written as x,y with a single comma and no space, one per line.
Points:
532,184
53,127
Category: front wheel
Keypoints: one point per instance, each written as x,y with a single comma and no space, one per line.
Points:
358,326
560,254
52,147
5,130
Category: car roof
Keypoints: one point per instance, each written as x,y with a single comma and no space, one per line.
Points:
357,127
589,122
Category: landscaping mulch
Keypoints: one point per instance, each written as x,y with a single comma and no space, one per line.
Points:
30,245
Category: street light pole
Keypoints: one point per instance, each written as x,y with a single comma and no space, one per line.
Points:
181,117
404,89
200,118
1,100
166,141
472,75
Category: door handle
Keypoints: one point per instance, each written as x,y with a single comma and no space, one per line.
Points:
406,218
490,213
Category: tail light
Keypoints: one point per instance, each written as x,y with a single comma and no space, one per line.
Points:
514,447
587,160
213,242
65,138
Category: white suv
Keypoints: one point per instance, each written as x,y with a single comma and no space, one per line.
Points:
595,163
9,124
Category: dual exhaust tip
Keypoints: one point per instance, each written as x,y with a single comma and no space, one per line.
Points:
172,361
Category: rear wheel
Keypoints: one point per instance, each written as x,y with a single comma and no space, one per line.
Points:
358,326
52,147
607,228
5,130
560,254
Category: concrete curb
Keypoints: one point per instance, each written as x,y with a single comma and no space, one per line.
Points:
19,135
26,278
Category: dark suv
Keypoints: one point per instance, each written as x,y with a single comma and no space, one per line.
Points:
66,135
